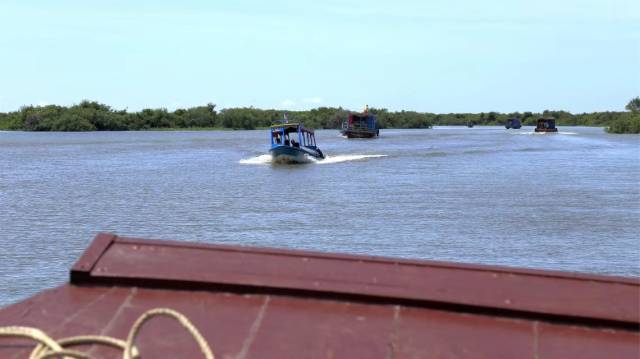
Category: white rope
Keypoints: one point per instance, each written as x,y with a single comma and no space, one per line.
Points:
50,348
204,346
84,340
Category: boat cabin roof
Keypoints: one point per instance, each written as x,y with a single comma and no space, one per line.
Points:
290,127
362,115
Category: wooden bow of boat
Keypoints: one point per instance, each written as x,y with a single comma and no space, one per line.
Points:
274,303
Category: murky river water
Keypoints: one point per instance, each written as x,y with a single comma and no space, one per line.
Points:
567,201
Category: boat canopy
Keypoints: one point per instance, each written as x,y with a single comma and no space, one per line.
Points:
290,127
292,134
549,121
366,120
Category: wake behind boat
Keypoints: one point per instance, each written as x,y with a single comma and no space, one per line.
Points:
293,143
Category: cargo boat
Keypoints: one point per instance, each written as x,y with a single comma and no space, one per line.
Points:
275,303
286,149
513,123
361,125
546,125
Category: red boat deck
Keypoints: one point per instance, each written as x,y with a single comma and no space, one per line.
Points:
267,303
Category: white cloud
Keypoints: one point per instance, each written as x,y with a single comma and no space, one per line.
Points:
312,100
287,103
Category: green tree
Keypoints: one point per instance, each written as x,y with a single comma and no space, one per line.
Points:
71,122
634,105
91,115
493,116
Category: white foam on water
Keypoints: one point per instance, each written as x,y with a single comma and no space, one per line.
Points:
266,159
545,133
554,133
258,160
345,158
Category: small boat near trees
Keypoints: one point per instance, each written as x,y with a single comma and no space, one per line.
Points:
513,123
293,143
361,125
546,124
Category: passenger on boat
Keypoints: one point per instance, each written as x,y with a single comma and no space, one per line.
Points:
294,143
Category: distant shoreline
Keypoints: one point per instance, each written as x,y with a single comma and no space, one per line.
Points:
216,129
224,129
94,116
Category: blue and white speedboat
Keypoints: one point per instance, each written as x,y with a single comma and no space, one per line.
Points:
293,143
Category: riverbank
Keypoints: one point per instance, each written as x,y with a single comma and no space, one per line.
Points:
612,130
626,124
94,116
223,129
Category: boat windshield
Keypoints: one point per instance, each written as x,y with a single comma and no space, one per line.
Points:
292,135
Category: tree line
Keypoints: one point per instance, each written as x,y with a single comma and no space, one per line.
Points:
94,116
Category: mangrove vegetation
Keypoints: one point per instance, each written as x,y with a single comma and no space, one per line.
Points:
94,116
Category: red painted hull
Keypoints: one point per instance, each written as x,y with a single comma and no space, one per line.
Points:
273,303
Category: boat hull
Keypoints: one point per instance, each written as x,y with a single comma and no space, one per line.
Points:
360,133
288,154
546,130
564,315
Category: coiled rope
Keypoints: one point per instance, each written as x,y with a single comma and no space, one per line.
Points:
50,348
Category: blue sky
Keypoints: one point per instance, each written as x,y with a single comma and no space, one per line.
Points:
435,56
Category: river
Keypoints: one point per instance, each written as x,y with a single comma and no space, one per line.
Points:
566,201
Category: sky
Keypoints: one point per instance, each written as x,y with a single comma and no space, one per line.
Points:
434,56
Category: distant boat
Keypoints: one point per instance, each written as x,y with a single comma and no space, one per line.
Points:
546,124
513,123
470,124
293,143
361,125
